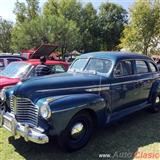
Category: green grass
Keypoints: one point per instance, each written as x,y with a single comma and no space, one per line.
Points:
138,132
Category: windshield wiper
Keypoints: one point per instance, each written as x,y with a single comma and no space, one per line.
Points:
75,70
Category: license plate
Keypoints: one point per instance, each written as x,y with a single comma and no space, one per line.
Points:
7,124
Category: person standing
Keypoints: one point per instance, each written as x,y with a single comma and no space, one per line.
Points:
42,69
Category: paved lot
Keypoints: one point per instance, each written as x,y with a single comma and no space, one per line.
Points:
139,132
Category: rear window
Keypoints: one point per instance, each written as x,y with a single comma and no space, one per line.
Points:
152,67
141,67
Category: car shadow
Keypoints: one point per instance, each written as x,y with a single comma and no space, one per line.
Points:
126,136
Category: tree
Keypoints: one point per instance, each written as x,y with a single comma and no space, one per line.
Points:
85,18
70,9
26,11
112,19
89,28
5,35
32,8
143,31
20,11
50,29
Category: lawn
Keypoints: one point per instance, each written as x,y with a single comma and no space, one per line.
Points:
138,132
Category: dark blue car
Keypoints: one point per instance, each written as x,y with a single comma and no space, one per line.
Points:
99,88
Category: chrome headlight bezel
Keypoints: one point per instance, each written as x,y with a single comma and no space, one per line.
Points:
3,94
45,111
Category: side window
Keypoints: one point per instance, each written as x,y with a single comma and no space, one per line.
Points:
141,67
57,69
152,67
124,68
32,73
1,63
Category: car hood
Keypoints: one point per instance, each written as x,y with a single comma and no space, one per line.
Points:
58,84
43,50
6,81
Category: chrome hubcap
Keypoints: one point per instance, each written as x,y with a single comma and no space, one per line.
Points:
157,100
77,128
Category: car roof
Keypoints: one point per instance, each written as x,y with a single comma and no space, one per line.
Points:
12,56
114,55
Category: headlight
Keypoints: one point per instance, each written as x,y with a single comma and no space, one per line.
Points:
3,94
45,111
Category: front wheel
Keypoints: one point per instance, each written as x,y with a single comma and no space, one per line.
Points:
77,133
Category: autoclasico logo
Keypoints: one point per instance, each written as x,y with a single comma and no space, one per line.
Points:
136,155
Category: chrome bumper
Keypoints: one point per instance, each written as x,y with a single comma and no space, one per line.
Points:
17,129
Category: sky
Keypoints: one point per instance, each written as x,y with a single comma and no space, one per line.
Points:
7,6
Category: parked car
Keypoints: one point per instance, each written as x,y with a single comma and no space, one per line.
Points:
6,59
98,88
17,71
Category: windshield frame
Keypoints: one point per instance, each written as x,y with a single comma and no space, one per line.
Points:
88,60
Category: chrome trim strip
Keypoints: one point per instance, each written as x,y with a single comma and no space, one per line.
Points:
91,88
72,88
97,89
132,81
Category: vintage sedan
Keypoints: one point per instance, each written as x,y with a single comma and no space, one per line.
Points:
99,88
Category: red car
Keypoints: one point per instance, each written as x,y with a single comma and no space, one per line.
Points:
17,71
6,59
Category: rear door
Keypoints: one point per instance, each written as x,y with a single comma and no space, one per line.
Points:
144,79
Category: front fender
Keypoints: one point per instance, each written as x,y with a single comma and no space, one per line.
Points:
64,108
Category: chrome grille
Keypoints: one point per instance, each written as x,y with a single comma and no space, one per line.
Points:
11,104
24,110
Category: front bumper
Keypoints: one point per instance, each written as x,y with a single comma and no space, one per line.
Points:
34,134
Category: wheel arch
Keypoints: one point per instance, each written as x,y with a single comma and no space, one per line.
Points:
91,112
155,89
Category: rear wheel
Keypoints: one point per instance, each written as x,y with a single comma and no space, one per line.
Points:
77,133
156,104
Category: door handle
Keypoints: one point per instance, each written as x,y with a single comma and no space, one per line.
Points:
141,82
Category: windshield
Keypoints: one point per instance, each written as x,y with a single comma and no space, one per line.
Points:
16,70
92,65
